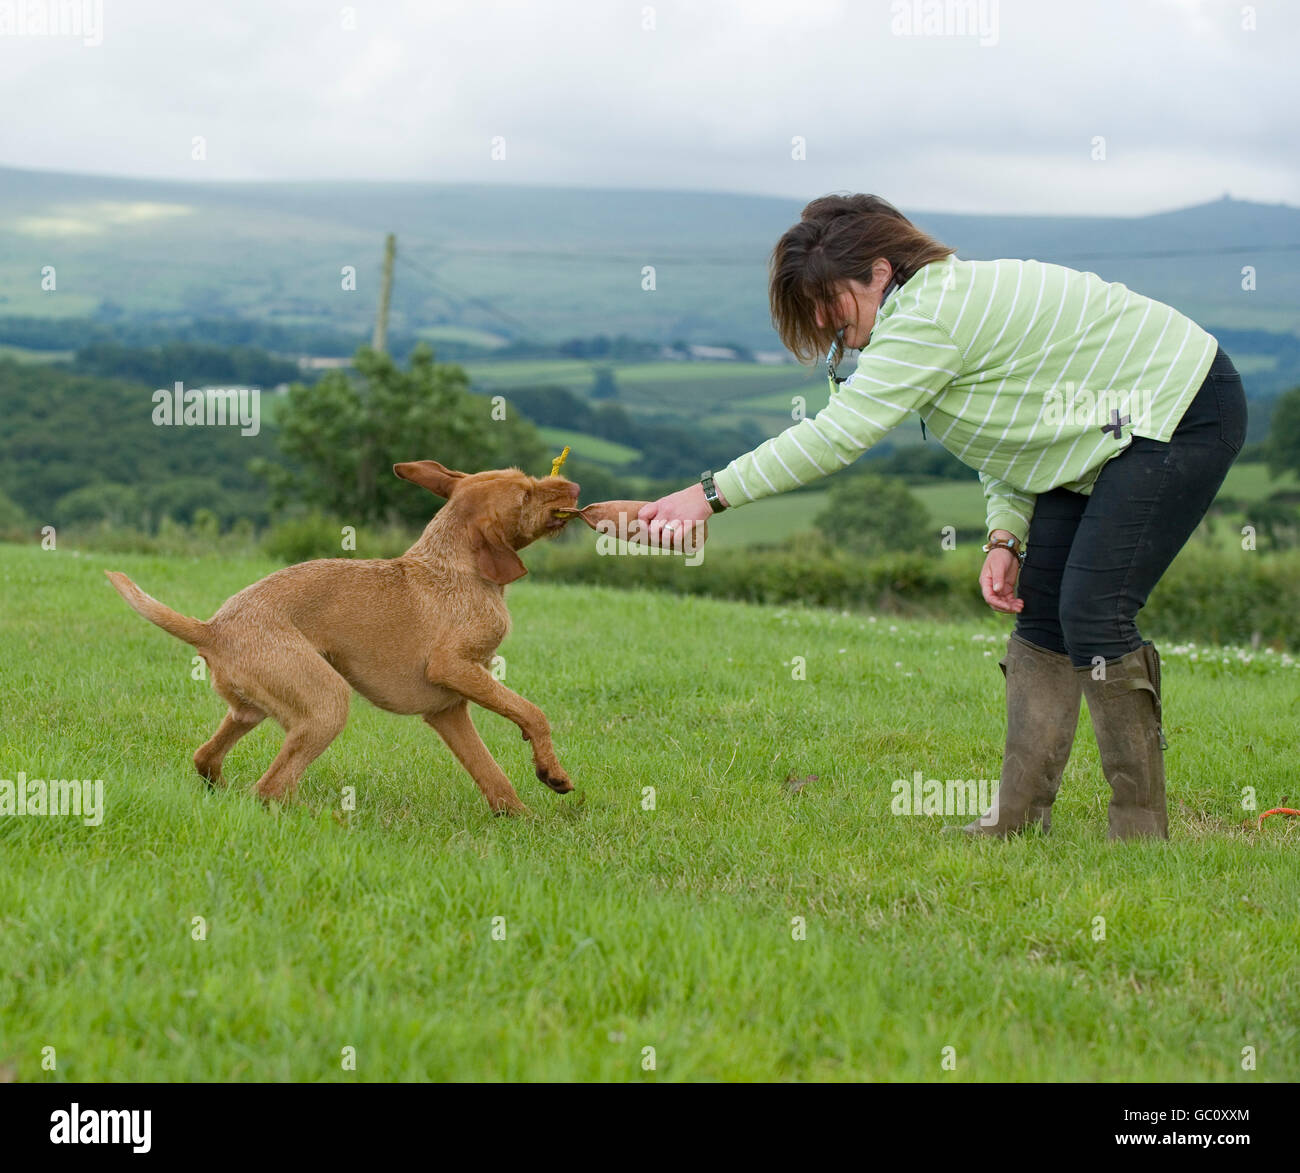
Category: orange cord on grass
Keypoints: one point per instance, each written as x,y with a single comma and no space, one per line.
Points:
1277,810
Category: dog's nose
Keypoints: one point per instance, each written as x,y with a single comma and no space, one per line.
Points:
573,488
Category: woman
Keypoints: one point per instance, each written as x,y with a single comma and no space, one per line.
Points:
1101,424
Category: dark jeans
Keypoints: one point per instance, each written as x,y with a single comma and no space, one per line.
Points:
1091,561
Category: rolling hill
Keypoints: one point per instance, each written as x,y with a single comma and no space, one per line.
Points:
549,263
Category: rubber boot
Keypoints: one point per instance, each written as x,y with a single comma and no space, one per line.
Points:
1126,717
1043,690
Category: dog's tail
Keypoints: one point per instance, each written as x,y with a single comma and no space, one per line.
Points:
181,626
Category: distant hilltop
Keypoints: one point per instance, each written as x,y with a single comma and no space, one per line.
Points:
553,263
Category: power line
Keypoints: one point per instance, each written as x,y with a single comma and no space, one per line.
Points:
1194,252
440,285
725,260
521,328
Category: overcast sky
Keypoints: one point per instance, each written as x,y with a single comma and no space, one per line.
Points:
1003,118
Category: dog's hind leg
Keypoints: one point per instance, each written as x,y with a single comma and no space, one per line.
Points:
296,686
456,728
304,744
208,757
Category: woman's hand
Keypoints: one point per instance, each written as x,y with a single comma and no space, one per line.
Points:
674,516
998,581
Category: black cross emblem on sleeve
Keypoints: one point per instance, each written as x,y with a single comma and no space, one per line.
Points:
1116,423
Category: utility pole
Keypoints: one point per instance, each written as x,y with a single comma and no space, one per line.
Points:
380,340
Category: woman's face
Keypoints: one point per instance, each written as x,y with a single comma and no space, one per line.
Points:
857,305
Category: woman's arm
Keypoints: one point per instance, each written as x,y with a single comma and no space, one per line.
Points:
909,361
1008,511
1007,507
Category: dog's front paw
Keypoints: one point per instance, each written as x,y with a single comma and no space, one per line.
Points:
555,777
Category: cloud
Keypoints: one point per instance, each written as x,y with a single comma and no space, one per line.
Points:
683,95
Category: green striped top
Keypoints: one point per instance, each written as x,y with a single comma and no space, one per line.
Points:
1035,375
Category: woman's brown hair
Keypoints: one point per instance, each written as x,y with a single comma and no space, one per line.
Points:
838,238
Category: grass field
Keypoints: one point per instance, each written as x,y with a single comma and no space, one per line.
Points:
591,447
465,334
628,928
1252,482
695,389
772,519
23,354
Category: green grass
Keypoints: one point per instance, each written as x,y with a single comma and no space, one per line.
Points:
467,334
528,373
627,928
751,375
588,447
1253,364
1251,482
25,354
958,503
816,394
773,519
692,388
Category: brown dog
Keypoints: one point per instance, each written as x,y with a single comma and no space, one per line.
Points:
413,634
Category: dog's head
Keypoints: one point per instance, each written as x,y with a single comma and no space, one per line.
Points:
503,510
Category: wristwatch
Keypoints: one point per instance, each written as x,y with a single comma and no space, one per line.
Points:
1012,544
711,491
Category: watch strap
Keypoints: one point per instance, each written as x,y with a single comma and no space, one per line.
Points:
711,491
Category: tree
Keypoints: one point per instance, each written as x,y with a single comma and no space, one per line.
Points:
117,505
62,432
342,436
1282,448
869,514
13,521
604,386
1276,520
551,407
612,421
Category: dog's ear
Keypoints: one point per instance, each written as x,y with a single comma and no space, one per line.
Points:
497,560
430,475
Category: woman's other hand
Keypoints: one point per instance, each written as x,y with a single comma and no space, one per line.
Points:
998,581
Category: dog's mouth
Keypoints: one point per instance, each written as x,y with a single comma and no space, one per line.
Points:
561,517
